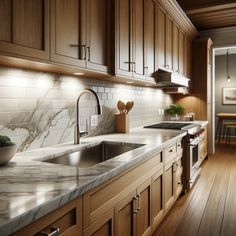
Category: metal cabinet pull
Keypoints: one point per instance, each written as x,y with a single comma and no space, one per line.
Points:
55,232
138,196
89,53
134,200
134,70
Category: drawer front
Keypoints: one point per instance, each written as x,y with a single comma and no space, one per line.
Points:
104,197
169,153
66,219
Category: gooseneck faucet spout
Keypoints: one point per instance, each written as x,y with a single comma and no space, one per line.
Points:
99,112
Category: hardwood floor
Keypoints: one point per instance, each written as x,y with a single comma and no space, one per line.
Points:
210,207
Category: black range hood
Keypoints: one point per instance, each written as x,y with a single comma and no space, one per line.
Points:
167,78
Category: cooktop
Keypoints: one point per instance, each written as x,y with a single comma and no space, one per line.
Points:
168,125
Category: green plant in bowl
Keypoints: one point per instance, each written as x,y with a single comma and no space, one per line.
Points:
7,149
175,110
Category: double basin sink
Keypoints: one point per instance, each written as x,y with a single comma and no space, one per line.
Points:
94,154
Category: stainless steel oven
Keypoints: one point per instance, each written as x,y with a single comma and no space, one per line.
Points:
193,161
191,149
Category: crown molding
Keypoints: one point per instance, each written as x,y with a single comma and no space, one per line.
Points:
177,13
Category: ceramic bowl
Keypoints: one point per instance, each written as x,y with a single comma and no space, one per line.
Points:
6,153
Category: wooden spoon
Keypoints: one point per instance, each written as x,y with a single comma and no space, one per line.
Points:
121,106
129,106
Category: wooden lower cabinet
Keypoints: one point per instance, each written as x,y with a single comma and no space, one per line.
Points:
133,213
66,220
102,227
157,197
131,204
126,215
169,184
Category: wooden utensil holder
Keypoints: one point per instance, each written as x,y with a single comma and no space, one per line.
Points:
122,123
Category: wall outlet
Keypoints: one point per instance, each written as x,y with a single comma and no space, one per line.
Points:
94,120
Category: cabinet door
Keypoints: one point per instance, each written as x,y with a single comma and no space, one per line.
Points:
138,38
169,185
144,208
169,42
188,57
160,37
25,28
124,64
98,34
175,48
67,32
149,38
104,226
125,215
181,52
157,197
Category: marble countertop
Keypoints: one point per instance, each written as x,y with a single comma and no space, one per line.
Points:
30,188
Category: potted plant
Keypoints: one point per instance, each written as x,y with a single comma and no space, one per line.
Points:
7,149
175,110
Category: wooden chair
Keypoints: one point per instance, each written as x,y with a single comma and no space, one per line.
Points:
228,132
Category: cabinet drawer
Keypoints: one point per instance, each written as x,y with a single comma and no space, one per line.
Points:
179,147
102,198
170,153
67,219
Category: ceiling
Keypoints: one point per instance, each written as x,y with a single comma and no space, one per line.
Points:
210,14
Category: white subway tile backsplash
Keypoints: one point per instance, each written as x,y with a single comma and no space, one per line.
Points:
101,89
4,118
5,92
8,105
38,109
26,104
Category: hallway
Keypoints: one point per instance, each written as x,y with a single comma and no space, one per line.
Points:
210,207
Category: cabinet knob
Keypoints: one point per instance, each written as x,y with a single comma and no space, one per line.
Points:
55,232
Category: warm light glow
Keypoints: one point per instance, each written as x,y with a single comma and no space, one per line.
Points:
78,73
129,82
228,79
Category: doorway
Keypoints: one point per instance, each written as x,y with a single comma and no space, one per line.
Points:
223,89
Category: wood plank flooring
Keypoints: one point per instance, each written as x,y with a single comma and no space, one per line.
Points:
209,209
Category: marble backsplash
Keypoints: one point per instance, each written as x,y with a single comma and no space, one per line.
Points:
37,109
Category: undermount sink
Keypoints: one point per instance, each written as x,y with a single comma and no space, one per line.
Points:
92,155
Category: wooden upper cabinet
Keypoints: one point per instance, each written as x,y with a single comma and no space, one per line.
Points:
160,37
181,52
169,42
123,38
130,38
25,28
188,57
175,48
149,38
138,38
80,33
67,32
98,28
